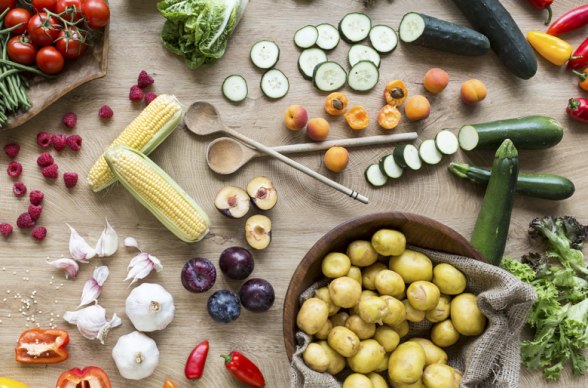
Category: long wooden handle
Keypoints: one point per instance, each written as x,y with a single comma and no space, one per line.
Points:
298,166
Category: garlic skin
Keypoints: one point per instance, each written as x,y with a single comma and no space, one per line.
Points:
91,322
93,287
107,244
79,249
69,267
150,307
136,356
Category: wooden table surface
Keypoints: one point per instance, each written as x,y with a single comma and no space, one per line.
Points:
306,210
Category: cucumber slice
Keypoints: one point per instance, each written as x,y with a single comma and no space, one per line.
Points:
309,59
363,76
306,37
355,27
329,76
235,88
328,36
429,153
361,52
390,168
383,39
274,84
446,142
407,155
265,54
374,176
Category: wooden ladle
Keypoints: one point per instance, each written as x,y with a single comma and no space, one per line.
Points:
202,118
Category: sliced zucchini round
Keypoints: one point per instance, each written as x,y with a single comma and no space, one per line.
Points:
363,76
429,153
361,52
235,88
407,155
383,38
446,142
389,167
328,36
329,76
274,84
374,175
306,37
309,59
355,27
265,54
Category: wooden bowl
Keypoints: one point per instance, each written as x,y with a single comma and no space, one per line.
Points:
419,231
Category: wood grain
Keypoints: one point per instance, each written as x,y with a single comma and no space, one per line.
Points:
306,210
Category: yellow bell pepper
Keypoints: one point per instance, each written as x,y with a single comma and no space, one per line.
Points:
552,48
9,383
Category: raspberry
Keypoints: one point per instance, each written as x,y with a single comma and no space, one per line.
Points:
39,233
35,211
11,150
150,97
136,94
50,172
43,139
19,189
14,169
74,142
144,79
5,229
24,221
59,141
105,112
70,119
36,197
70,179
45,159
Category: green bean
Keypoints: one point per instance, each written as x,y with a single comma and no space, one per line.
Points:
7,73
25,68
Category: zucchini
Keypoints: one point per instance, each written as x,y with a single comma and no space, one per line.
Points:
427,31
491,229
328,36
355,27
309,59
506,39
265,54
329,76
407,155
529,132
389,167
306,37
274,84
361,52
429,153
446,142
544,186
235,88
383,39
363,76
374,176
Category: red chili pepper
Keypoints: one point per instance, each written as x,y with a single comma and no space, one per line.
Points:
196,361
90,376
574,18
244,370
578,109
543,4
38,346
579,57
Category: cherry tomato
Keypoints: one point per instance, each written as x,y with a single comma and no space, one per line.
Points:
7,4
72,9
42,29
21,50
49,60
96,12
70,43
17,16
40,5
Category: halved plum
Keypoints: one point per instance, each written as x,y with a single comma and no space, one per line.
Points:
232,201
262,192
258,231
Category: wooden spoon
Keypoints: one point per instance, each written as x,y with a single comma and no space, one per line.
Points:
202,118
226,155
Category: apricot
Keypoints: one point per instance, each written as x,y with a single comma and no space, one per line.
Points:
295,117
435,80
317,129
473,91
417,108
336,159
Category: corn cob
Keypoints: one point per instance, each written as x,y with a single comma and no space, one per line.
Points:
148,130
158,192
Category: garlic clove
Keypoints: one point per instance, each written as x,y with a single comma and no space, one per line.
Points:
143,256
141,266
79,249
131,242
101,274
156,263
103,333
93,287
107,244
91,322
72,316
69,267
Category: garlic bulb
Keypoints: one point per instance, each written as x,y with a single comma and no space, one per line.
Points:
91,322
136,356
150,307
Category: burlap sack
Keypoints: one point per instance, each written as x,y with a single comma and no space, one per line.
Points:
491,360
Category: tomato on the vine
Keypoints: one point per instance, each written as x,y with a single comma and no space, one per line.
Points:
21,50
49,60
71,43
17,16
72,9
43,29
40,5
7,4
96,12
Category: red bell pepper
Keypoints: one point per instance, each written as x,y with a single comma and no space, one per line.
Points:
543,4
90,376
244,370
579,58
571,20
38,346
578,109
196,361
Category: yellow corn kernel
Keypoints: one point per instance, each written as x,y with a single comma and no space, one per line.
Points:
155,123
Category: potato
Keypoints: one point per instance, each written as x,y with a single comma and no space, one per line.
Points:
369,275
440,376
389,283
433,353
413,314
336,361
324,295
312,316
368,357
449,279
339,319
423,295
373,310
377,380
345,292
384,364
388,242
355,274
396,311
412,266
406,363
402,328
365,294
443,334
344,341
387,337
418,384
315,357
361,253
357,380
335,265
363,329
325,330
466,316
441,311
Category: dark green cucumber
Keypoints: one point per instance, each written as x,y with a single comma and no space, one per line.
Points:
545,186
508,42
530,132
491,229
427,31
